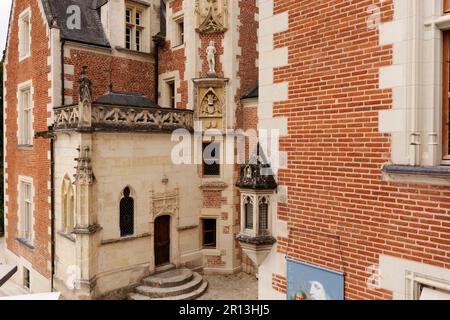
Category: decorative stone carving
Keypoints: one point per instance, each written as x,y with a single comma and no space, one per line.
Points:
164,203
119,118
84,99
211,105
210,102
84,175
211,15
211,56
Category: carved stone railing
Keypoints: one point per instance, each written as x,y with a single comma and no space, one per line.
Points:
119,118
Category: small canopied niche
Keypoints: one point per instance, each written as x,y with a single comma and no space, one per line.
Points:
257,185
211,15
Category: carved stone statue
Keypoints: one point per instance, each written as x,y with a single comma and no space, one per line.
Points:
211,56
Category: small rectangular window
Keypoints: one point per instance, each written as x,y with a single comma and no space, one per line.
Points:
134,27
211,159
138,40
172,94
128,38
138,18
178,36
24,35
209,233
26,278
25,117
128,15
26,207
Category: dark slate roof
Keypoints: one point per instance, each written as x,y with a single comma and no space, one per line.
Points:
126,100
91,31
252,93
256,174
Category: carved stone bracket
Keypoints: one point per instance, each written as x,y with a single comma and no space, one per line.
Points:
211,16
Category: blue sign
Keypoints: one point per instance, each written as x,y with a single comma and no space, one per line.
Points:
308,282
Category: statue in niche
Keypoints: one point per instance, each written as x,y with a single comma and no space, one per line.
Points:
211,56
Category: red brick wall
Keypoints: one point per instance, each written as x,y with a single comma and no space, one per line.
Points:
335,151
126,75
212,199
174,59
31,163
248,42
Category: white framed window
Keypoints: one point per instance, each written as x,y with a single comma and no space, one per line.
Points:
26,207
135,27
178,34
25,34
422,287
255,214
25,114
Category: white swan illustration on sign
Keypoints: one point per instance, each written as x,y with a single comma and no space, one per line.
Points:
317,291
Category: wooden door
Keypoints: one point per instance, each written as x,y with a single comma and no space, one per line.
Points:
162,240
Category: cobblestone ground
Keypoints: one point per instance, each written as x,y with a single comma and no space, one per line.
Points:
231,287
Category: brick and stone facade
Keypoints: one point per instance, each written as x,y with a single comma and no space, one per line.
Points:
333,78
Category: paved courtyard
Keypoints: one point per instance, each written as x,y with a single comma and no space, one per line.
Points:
231,287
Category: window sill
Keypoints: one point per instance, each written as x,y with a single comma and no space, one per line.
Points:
443,22
439,175
211,252
141,53
126,239
26,243
25,57
25,147
67,236
180,46
212,183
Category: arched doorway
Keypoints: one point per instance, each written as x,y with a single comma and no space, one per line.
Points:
162,240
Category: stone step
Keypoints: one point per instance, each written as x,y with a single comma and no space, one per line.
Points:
187,296
164,268
153,292
169,279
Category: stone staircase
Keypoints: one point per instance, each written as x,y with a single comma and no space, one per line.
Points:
169,283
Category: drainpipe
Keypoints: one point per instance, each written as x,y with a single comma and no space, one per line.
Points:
159,41
415,135
52,209
63,100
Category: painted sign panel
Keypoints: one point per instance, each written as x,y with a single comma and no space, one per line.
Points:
308,282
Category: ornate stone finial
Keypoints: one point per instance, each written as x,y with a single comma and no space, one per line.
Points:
211,56
84,87
84,175
256,174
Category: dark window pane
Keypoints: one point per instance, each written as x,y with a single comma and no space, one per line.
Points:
209,233
211,159
249,215
126,214
263,215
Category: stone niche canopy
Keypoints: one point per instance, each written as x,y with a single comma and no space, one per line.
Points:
211,16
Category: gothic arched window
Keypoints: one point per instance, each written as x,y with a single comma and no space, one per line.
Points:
248,213
126,214
67,206
263,214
